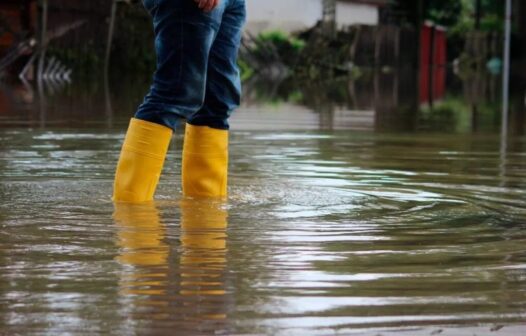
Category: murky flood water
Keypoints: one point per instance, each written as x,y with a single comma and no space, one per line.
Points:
322,231
325,231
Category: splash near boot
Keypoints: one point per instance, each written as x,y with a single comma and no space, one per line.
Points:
141,162
205,162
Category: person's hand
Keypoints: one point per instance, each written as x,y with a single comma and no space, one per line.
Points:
207,5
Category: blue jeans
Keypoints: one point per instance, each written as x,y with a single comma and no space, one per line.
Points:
197,77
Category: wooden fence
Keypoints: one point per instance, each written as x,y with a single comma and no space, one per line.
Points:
481,46
382,45
75,30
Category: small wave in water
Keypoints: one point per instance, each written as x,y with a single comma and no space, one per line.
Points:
323,232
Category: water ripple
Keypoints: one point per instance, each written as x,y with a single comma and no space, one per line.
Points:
323,233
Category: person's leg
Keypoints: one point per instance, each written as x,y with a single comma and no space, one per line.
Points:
184,35
223,86
183,38
205,153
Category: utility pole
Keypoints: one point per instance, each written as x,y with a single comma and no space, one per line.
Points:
41,61
419,20
505,93
506,67
109,40
43,38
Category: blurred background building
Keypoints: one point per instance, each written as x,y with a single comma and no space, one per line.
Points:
355,62
297,15
77,31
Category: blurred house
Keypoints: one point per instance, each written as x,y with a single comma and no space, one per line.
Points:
294,15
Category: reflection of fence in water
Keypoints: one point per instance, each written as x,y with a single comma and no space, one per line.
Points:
376,100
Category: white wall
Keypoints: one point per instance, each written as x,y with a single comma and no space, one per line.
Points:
289,15
349,14
293,15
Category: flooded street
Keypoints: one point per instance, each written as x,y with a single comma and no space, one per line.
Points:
340,220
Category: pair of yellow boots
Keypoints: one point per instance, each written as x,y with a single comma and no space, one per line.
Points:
205,162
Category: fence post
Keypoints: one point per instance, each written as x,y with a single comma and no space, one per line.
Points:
109,41
506,69
43,38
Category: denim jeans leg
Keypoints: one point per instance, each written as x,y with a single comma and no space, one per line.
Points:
223,87
184,35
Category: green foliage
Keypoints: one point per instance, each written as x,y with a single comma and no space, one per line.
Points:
451,114
444,12
466,21
492,22
246,70
296,97
457,15
492,17
278,46
282,40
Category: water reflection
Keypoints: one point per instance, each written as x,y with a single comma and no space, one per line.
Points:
327,232
141,235
185,287
375,100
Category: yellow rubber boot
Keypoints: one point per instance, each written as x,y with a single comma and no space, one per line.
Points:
205,162
140,236
203,258
141,162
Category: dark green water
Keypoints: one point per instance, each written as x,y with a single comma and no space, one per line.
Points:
342,230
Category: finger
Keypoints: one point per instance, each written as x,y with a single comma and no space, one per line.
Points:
215,3
209,5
